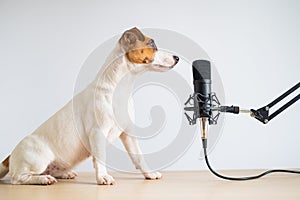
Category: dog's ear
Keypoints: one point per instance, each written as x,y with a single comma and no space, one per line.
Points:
140,36
128,40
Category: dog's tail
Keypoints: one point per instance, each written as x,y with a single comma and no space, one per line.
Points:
4,167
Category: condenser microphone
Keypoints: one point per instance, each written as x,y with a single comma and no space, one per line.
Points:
202,87
203,103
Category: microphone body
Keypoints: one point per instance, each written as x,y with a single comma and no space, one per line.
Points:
202,87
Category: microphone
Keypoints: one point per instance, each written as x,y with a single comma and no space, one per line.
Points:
202,86
205,104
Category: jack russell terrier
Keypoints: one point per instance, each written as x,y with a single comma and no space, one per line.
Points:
53,149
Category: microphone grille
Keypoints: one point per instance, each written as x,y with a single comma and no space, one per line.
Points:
201,69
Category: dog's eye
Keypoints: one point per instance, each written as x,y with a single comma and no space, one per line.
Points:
152,44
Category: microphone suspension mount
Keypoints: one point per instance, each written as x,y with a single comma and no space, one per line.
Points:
214,109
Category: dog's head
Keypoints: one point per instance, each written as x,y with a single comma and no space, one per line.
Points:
140,49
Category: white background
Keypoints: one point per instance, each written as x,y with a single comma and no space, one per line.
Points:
255,46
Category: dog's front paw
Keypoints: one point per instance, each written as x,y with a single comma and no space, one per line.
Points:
153,175
105,180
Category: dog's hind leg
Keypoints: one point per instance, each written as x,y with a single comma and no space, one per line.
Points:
30,173
131,145
66,175
31,179
29,160
56,170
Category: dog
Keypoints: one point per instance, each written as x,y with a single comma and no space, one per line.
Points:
56,147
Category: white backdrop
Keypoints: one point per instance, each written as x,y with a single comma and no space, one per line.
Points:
255,46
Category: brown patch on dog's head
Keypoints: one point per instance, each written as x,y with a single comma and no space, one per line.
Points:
139,48
6,162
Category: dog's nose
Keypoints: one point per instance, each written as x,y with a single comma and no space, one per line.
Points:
176,58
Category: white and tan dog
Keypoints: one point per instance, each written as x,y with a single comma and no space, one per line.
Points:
75,133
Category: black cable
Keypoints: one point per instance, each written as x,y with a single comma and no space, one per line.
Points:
204,143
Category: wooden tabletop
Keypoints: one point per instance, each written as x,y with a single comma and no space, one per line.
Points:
174,185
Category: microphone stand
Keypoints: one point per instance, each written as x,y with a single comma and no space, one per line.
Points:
261,114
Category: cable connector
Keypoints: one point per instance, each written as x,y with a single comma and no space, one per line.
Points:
230,109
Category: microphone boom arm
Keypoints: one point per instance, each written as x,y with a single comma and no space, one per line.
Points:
262,114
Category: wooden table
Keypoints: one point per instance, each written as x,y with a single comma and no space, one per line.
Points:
174,185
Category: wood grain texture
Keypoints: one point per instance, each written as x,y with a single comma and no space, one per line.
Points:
174,185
